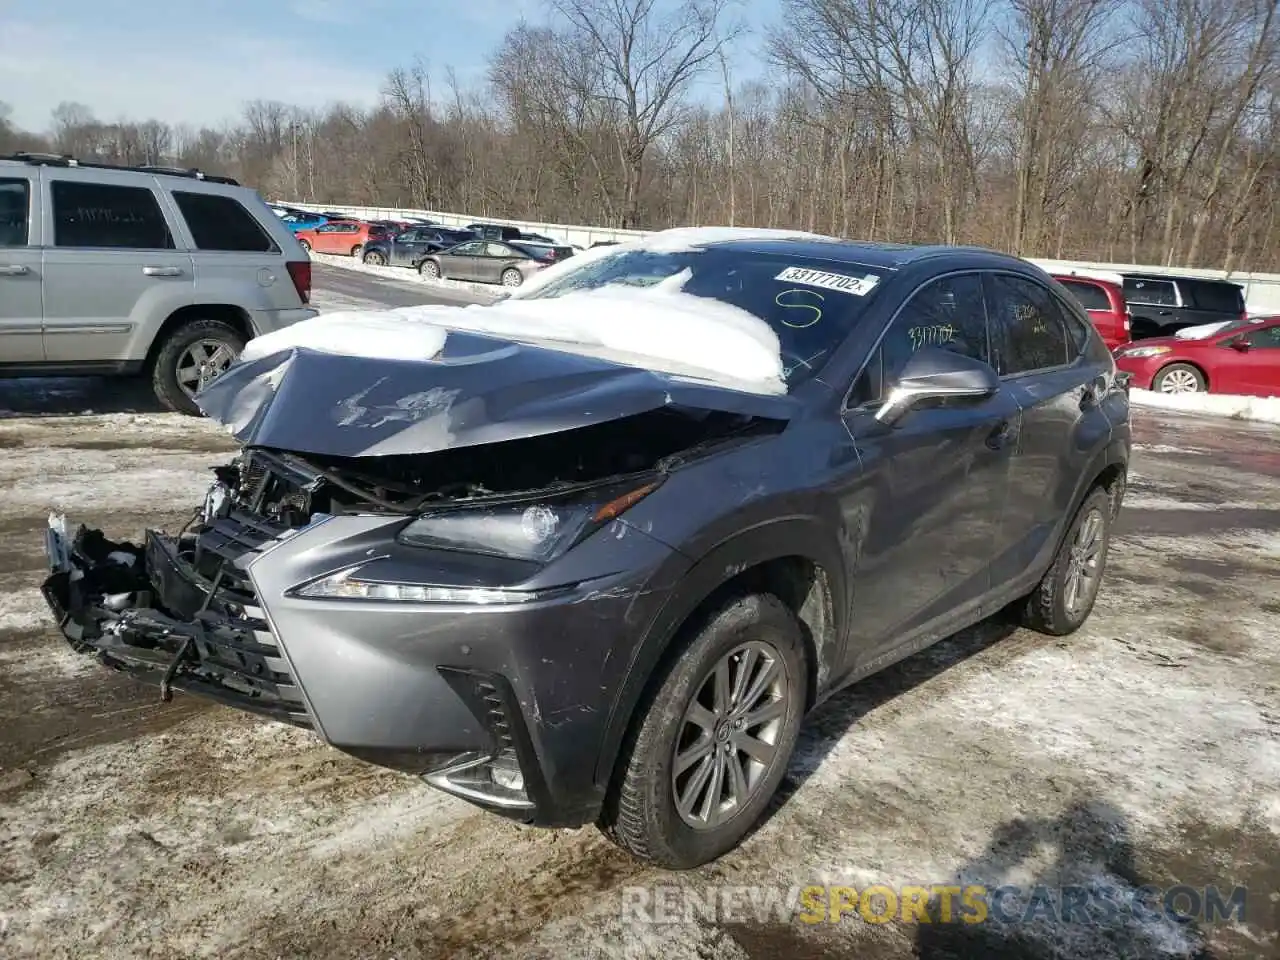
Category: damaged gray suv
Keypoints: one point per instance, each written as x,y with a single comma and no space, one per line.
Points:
575,575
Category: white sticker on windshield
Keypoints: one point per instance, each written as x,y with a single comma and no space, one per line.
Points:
858,286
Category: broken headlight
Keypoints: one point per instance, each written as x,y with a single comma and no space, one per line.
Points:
537,531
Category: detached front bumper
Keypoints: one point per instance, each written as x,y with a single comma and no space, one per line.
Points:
504,705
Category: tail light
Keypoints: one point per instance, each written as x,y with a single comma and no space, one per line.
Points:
300,274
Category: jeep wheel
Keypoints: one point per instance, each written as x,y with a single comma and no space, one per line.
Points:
374,258
713,742
1065,597
193,356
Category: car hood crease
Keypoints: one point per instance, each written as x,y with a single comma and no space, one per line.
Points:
477,390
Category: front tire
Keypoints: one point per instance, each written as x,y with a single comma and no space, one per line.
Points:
1064,598
375,259
1179,378
714,740
191,357
429,269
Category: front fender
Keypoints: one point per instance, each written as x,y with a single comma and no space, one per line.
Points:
805,537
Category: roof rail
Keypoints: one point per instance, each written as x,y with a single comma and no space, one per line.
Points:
63,160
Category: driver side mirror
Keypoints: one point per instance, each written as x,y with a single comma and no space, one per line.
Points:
933,374
1241,344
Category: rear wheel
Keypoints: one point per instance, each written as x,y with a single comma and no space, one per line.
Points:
355,251
1065,596
713,742
192,357
374,258
305,246
512,277
429,269
1179,378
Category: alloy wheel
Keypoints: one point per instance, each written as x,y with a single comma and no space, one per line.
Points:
1084,567
728,736
201,363
374,258
1179,381
512,278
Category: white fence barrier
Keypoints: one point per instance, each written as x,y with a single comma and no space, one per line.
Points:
1261,290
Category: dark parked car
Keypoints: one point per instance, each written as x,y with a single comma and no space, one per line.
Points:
494,231
571,589
486,261
407,249
1162,305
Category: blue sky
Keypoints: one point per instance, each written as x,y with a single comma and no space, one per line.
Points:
198,61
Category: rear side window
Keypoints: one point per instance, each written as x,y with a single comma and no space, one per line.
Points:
15,201
222,223
1159,292
1218,297
1090,295
947,313
106,215
1028,326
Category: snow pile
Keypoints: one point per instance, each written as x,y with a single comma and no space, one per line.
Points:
658,328
1264,409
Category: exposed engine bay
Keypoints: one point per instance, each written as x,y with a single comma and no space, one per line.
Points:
181,610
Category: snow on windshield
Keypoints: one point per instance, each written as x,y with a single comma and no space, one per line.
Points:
1203,330
658,327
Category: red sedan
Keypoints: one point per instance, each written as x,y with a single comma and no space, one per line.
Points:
1240,357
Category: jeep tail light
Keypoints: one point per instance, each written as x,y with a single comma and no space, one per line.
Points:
300,274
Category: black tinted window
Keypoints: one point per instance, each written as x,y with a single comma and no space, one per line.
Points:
98,215
947,313
1268,338
1028,326
14,204
1160,292
1090,295
221,223
1218,297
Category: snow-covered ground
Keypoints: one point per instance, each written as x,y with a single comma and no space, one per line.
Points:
1144,749
1262,409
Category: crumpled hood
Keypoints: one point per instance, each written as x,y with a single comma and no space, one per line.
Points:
474,390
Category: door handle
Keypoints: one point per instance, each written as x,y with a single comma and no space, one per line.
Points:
162,271
14,270
1001,435
1166,313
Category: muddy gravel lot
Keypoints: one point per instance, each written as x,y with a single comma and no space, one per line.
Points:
1143,750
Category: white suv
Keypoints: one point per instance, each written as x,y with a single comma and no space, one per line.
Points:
139,270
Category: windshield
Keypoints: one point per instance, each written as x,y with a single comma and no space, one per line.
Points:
810,304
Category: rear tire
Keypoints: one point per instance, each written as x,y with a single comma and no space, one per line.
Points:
355,251
752,641
306,247
512,278
1056,607
213,342
1179,378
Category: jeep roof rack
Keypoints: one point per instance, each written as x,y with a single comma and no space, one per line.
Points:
64,160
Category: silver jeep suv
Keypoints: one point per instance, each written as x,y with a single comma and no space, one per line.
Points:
108,270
